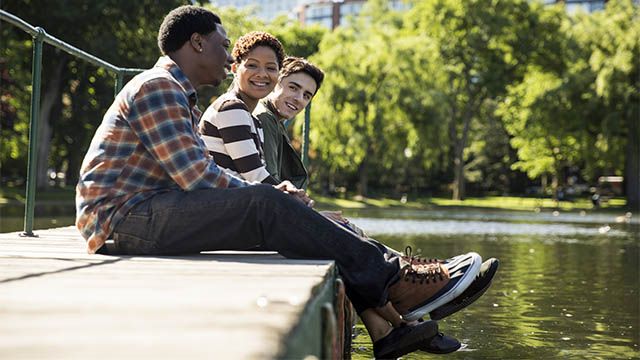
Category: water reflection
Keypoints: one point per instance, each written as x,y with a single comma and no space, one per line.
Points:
563,290
501,215
46,216
404,226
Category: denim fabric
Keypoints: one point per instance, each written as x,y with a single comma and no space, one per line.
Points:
182,222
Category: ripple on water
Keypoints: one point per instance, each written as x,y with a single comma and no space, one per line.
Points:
443,227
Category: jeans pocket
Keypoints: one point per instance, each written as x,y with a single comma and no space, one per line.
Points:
127,244
132,235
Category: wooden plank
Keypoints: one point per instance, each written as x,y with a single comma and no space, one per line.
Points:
56,301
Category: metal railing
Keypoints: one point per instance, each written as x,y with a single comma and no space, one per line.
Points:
39,37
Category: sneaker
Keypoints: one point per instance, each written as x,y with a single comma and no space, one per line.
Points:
424,288
472,293
441,344
404,340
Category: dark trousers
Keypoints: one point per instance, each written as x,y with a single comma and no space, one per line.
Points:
182,222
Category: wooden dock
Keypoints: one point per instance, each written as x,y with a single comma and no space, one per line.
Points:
56,301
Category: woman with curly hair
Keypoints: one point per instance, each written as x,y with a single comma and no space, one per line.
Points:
232,134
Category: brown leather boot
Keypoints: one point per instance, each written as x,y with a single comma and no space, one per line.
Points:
417,285
425,286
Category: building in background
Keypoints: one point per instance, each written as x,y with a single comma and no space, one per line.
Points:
332,13
589,6
266,10
329,13
573,6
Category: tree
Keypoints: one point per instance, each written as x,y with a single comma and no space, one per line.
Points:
545,124
297,39
614,36
125,35
482,49
13,130
359,126
584,110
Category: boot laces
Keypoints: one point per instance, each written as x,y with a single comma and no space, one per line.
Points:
416,259
423,274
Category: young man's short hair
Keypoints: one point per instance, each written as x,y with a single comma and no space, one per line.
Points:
250,41
182,22
293,65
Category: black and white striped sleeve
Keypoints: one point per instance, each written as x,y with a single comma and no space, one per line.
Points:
232,139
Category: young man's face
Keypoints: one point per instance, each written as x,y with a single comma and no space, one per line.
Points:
215,52
292,94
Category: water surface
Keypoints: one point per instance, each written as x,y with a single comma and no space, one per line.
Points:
567,287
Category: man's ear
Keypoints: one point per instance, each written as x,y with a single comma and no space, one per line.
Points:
196,42
234,67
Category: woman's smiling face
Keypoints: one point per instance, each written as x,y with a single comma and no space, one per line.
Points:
257,72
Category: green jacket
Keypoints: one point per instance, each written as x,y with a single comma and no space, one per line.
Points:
283,162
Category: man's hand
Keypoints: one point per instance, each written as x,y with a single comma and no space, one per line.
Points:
288,188
335,216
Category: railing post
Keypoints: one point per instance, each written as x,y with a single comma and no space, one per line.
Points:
119,82
36,70
305,136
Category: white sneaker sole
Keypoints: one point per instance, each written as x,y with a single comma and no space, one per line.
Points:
474,261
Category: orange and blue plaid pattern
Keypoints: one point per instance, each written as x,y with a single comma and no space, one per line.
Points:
147,143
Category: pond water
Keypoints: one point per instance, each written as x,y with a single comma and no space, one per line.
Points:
46,216
568,284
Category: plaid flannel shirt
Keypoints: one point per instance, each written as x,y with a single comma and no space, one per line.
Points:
147,143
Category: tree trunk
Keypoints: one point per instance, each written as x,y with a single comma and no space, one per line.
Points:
458,173
632,166
50,98
554,187
363,178
461,144
363,167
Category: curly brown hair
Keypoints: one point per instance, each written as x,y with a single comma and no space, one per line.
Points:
250,41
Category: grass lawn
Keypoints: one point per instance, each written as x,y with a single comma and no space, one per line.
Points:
488,202
17,195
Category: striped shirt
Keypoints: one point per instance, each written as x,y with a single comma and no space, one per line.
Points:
146,144
234,138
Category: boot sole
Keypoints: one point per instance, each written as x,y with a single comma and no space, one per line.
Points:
467,278
454,306
455,345
418,336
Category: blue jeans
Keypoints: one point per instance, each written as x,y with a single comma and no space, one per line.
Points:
260,216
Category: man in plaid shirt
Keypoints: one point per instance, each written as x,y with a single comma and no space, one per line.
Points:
148,144
148,183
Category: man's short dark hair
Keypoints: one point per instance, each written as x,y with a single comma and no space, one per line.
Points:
182,22
293,65
252,40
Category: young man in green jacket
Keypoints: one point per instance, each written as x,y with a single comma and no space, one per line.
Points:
298,82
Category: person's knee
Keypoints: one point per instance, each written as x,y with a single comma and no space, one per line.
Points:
268,193
273,198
